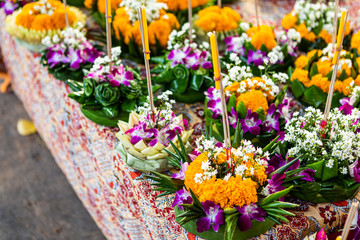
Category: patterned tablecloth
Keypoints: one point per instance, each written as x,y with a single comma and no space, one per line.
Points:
118,198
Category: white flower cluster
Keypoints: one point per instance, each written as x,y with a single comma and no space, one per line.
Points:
71,37
291,37
238,159
315,13
276,55
152,8
42,7
101,64
180,39
341,140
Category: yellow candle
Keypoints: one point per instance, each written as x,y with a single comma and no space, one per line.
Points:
215,59
339,37
338,238
146,34
109,12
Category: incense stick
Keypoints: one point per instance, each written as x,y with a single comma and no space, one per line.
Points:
353,209
334,75
336,11
219,3
257,14
108,34
66,16
146,58
190,21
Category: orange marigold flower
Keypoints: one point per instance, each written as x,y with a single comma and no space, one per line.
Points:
263,35
326,36
301,61
324,67
176,5
301,75
289,21
355,41
312,53
321,82
346,86
253,100
357,80
115,4
160,30
304,33
218,19
89,3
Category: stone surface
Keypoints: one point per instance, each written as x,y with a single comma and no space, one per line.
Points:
36,200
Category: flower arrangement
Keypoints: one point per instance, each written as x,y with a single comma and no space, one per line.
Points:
310,81
107,96
144,140
329,148
185,69
37,20
98,10
261,47
314,22
179,5
256,103
10,6
225,193
71,57
127,29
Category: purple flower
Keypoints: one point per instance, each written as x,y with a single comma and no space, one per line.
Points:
56,55
74,58
89,53
274,184
285,109
178,56
355,170
251,123
214,216
182,197
272,119
281,135
164,134
235,45
257,58
249,212
9,6
308,175
214,104
192,62
357,230
347,105
181,174
139,132
97,75
202,60
120,76
233,118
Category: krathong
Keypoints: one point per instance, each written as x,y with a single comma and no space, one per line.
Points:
70,57
330,149
107,96
185,68
144,140
127,29
37,20
262,47
256,103
225,193
315,23
310,81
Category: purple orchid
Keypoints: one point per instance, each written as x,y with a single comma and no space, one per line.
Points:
182,197
9,6
202,60
139,132
249,212
189,58
272,119
274,184
285,109
251,123
120,76
233,118
181,174
234,44
178,56
281,135
56,55
214,217
308,175
97,75
214,103
164,135
347,105
191,61
74,58
355,170
89,53
256,57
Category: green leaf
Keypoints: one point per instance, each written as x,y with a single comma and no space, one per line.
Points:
238,136
280,97
343,75
318,167
277,216
165,77
285,167
167,184
263,48
332,172
231,103
111,111
314,96
261,113
271,145
78,96
275,196
297,88
230,225
279,211
314,70
279,204
196,82
241,109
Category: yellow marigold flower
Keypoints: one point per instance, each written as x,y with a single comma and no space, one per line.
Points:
304,33
263,35
321,82
301,61
357,80
312,53
347,29
253,100
115,4
234,192
89,3
218,19
346,68
301,75
176,5
346,86
355,41
289,21
324,67
159,29
326,36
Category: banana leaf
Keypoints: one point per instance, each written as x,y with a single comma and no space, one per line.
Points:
103,116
